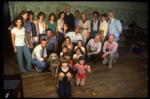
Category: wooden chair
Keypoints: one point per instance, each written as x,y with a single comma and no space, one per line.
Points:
121,42
12,84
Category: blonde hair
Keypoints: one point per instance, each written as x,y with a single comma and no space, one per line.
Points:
84,14
64,43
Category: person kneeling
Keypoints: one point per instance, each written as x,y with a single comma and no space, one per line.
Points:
111,54
64,86
39,56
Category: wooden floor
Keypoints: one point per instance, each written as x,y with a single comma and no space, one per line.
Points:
126,79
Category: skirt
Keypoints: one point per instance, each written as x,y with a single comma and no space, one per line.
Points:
81,75
29,39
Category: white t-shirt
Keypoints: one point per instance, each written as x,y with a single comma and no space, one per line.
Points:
19,36
74,38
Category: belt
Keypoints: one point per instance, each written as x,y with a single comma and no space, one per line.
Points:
95,31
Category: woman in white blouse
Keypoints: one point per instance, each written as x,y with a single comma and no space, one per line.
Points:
41,24
103,27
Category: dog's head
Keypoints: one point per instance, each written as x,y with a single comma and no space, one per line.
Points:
53,57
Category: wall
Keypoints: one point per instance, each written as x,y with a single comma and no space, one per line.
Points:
126,11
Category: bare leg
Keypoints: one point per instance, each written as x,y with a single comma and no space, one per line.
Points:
68,76
56,72
61,75
77,81
82,81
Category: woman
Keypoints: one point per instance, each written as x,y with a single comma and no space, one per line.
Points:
103,28
60,27
41,24
26,24
80,44
84,27
20,45
68,43
52,22
35,31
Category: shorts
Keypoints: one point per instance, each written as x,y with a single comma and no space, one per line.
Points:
81,75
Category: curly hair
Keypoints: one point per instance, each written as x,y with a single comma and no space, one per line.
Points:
30,13
15,20
59,15
52,14
39,14
96,13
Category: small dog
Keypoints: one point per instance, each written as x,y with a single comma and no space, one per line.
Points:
54,62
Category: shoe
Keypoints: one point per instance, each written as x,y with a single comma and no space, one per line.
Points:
36,69
57,87
109,66
104,62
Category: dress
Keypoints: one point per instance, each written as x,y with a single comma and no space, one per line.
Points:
86,29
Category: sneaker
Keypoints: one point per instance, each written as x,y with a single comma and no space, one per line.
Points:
109,66
36,69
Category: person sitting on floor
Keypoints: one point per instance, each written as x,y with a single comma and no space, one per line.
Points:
111,54
80,44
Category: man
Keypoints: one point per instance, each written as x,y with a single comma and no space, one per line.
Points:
39,56
69,20
51,42
93,49
114,26
95,24
111,54
77,19
74,36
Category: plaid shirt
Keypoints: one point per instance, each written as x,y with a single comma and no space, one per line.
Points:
112,47
94,47
52,42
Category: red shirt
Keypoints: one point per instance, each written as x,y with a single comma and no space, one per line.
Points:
70,61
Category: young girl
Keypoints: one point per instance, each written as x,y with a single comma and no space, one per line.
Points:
77,55
66,56
64,86
81,67
69,44
20,45
80,44
64,49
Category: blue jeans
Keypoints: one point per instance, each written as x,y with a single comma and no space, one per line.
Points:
64,89
93,56
60,38
93,35
39,65
24,50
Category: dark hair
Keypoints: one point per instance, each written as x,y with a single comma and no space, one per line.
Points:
96,13
80,41
59,15
39,14
43,39
49,29
30,13
51,15
104,15
15,20
79,50
81,58
65,46
66,54
64,60
77,11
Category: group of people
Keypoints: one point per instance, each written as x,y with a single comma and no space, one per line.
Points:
78,40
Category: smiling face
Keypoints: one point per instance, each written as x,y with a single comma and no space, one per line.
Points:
64,65
97,38
49,33
111,38
19,23
77,14
81,62
68,9
111,15
95,15
83,16
77,29
52,18
25,16
78,52
67,41
64,50
41,17
62,15
79,44
30,16
43,44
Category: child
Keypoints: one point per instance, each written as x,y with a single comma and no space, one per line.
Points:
81,67
64,49
77,55
64,87
80,44
66,55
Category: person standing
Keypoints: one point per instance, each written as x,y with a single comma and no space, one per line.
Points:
26,24
69,20
20,45
114,26
77,19
84,27
35,30
95,24
111,54
103,27
39,56
41,24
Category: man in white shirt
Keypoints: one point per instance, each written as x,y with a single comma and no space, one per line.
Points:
74,36
39,56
